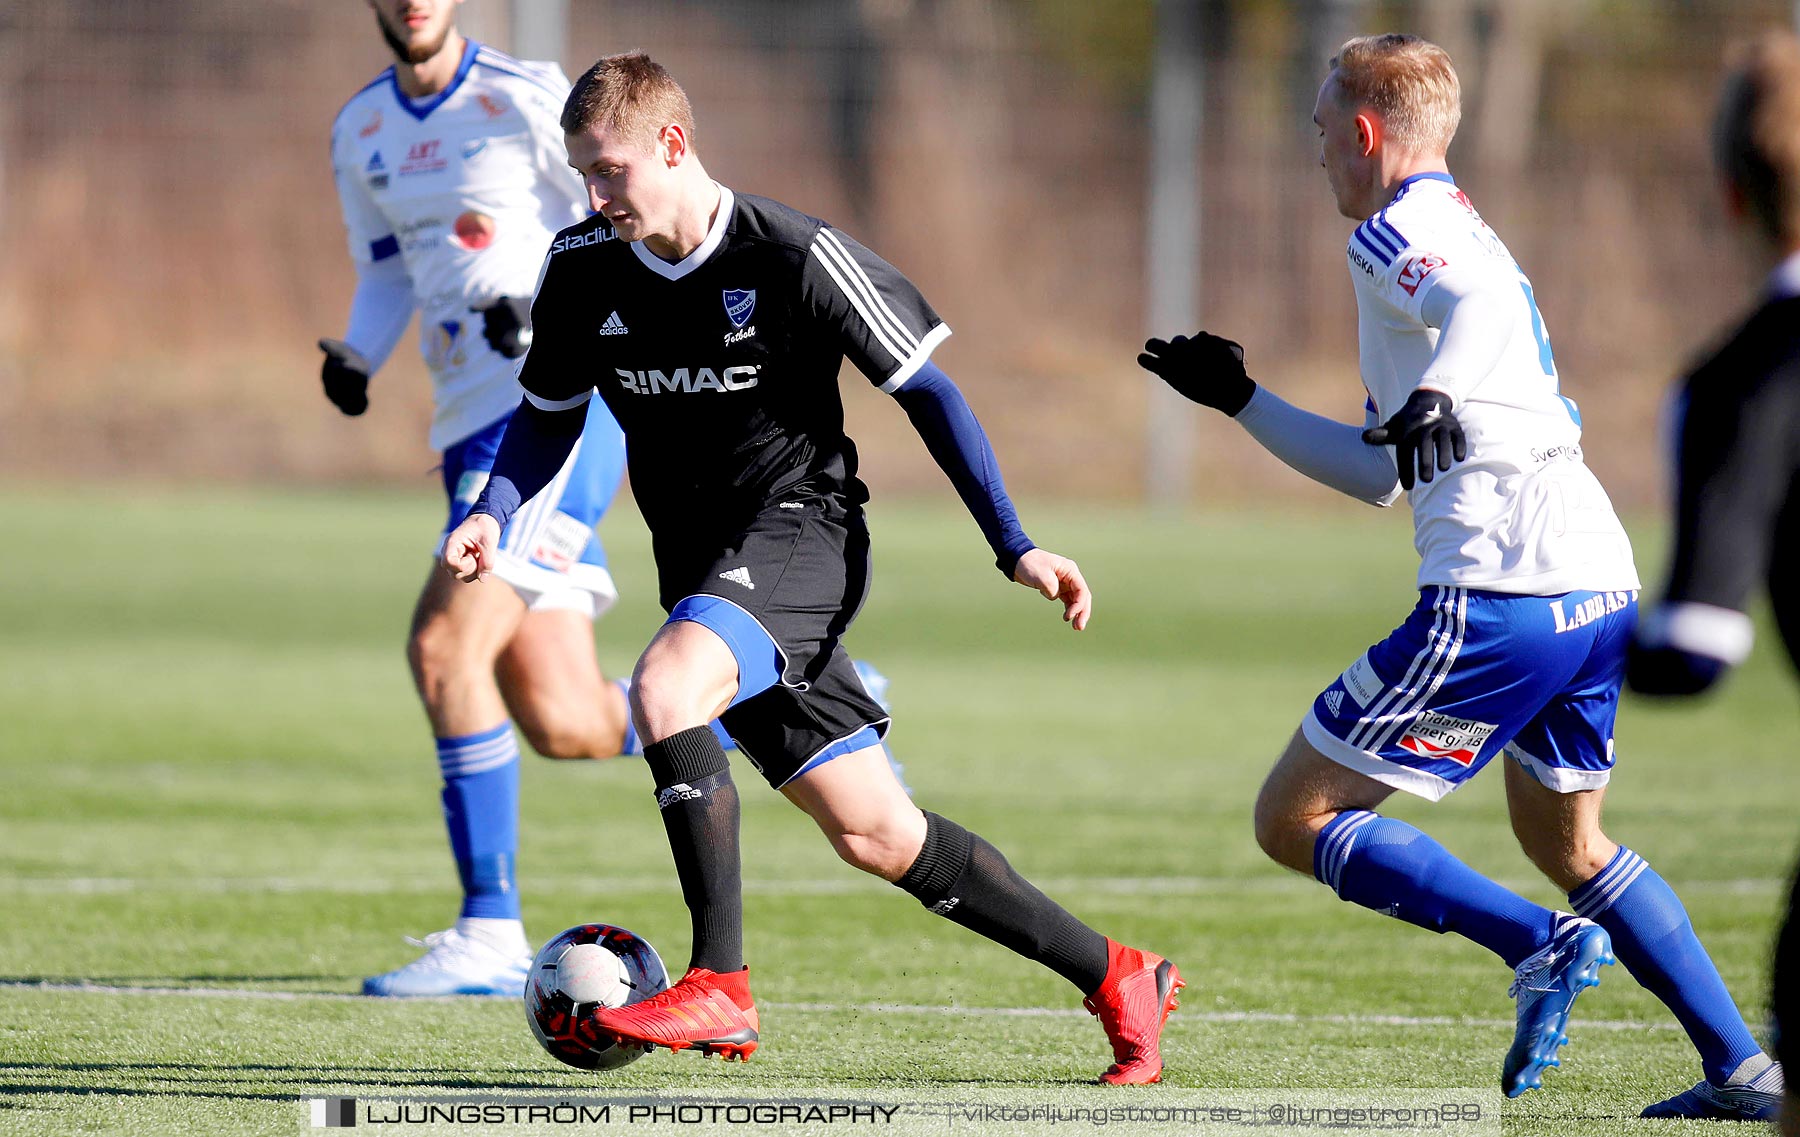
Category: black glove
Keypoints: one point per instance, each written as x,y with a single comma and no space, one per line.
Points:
506,325
1424,435
346,377
1208,369
1669,670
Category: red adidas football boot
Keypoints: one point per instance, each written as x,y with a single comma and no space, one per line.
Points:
706,1011
1132,1005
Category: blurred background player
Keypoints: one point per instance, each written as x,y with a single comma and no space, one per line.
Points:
452,176
733,315
1527,596
1737,453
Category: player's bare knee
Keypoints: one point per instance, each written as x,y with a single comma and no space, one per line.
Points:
438,655
1278,826
659,700
1568,862
562,739
884,852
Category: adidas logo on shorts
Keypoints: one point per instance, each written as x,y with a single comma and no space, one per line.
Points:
738,576
1334,700
613,326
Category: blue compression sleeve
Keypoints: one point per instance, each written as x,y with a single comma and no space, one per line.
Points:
960,447
533,449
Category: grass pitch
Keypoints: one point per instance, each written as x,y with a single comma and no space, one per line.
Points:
218,812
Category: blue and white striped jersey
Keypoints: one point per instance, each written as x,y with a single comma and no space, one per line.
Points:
1523,514
454,199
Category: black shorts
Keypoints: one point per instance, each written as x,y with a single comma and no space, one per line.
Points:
781,592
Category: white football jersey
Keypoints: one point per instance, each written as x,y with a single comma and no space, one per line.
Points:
466,188
1523,514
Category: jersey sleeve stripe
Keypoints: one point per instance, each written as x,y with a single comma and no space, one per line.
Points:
1386,228
856,301
917,359
1379,254
488,59
882,311
1373,232
567,404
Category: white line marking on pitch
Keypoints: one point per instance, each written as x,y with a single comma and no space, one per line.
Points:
838,1008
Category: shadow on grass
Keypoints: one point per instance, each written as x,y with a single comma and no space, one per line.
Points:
28,1091
318,984
204,1079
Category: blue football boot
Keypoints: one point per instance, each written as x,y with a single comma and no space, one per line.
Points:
1752,1093
1546,986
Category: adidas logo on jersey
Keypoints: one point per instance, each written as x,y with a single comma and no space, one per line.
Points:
943,907
613,326
738,576
1333,701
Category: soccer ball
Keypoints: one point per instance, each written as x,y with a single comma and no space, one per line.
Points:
588,966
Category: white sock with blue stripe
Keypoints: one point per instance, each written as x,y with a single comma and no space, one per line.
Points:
1655,940
481,811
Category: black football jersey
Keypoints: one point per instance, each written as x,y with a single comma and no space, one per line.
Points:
1737,460
723,369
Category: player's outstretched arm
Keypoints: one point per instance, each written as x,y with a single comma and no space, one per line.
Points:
961,449
1202,368
1209,370
383,303
379,312
535,446
1057,578
954,436
469,549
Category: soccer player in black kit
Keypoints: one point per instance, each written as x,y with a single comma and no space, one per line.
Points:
714,325
1737,460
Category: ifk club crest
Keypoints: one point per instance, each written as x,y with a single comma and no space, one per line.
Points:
739,305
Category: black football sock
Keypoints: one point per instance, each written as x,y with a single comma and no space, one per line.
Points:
967,881
699,806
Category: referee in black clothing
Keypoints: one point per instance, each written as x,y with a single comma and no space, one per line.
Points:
1737,451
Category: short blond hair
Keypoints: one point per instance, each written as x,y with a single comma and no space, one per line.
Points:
1757,134
1409,81
630,95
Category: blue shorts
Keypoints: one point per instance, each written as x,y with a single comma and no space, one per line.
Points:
1472,673
549,551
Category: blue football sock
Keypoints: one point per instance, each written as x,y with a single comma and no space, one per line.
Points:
1655,940
633,745
1392,868
481,810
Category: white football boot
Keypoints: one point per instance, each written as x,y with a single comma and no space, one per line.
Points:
476,957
